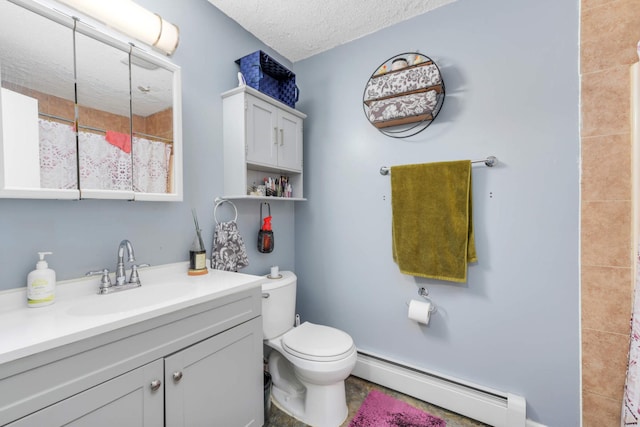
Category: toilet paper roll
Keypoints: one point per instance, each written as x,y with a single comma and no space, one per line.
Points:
275,271
420,311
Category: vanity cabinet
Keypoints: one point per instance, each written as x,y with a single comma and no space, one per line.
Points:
201,365
262,138
208,384
127,400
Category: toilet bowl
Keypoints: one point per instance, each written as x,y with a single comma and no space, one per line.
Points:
308,363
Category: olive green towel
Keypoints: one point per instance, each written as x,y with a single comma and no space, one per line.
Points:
432,223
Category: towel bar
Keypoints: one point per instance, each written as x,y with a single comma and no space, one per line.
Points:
490,161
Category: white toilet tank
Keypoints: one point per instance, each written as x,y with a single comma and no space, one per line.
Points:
278,304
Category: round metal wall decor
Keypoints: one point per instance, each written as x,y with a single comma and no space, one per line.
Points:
404,95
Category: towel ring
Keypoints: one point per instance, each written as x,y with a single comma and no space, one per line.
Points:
220,202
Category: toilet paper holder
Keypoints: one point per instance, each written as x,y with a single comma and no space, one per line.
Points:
424,293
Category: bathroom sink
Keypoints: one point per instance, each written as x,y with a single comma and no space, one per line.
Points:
80,313
130,300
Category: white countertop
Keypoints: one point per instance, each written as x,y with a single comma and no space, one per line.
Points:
79,312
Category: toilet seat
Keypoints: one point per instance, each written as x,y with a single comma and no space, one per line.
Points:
317,343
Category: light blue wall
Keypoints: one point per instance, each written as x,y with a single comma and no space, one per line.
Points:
84,235
511,75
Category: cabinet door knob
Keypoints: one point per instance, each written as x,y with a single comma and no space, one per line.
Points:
281,137
155,385
275,135
177,376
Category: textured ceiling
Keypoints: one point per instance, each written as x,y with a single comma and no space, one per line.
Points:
298,29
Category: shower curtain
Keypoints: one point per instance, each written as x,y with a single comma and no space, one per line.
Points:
58,168
102,165
631,401
631,398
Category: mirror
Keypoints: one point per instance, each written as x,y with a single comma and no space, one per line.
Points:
37,108
125,101
152,101
104,119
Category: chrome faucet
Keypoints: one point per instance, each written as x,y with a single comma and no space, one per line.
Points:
121,276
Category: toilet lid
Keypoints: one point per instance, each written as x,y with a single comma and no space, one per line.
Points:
317,342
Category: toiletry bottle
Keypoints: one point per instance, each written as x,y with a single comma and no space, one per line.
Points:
41,284
265,236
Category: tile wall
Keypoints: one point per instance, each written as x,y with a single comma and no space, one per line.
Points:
158,124
609,31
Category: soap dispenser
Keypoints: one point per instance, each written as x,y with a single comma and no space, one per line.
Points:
41,284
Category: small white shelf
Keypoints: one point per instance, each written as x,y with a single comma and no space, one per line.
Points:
265,198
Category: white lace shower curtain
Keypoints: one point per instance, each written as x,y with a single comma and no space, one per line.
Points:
58,167
102,165
631,402
631,398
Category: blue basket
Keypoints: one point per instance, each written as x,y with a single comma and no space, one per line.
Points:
265,74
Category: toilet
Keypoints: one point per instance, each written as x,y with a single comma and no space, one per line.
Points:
308,363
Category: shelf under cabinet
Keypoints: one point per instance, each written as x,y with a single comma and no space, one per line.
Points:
266,198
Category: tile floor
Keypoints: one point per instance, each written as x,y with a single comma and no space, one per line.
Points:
357,390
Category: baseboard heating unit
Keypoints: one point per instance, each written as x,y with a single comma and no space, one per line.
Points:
480,403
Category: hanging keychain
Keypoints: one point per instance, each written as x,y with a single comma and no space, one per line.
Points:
265,235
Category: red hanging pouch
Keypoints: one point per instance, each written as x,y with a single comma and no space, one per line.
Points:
265,235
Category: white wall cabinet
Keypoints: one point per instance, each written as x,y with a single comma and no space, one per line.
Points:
262,137
273,136
199,366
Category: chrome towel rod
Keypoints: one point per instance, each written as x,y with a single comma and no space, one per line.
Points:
490,161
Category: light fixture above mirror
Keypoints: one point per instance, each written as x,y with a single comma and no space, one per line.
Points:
133,20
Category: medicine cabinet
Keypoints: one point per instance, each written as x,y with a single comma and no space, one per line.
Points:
83,114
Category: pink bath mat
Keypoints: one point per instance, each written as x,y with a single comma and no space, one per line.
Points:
380,410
